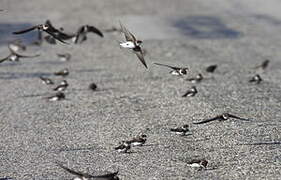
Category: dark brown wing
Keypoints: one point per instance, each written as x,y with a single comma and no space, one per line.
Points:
25,30
172,67
77,173
27,56
56,36
95,30
128,35
208,120
109,175
141,57
5,59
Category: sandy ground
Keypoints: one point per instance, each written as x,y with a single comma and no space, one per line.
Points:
82,131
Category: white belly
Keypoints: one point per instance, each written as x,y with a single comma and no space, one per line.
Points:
128,44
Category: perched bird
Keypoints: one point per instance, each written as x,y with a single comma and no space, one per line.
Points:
263,65
64,57
211,68
48,28
198,163
256,79
198,78
63,72
133,44
191,92
17,46
81,34
14,56
222,117
57,97
178,71
46,81
181,130
138,141
62,86
93,86
123,147
85,176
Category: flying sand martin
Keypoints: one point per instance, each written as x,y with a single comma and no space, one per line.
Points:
62,86
85,176
46,81
181,130
211,68
14,56
57,97
63,72
48,28
138,141
64,57
133,44
256,79
263,65
191,92
177,71
123,147
17,46
198,163
81,34
198,78
222,117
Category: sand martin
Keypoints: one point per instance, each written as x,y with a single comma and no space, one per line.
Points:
181,130
211,68
196,79
57,97
191,92
123,147
93,87
177,71
63,72
64,57
46,81
84,176
13,56
48,28
256,79
81,34
133,44
263,65
17,46
62,86
222,117
138,141
198,163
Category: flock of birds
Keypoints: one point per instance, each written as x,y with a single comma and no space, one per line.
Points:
132,43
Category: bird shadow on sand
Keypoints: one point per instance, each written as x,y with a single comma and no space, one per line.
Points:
205,27
262,143
21,75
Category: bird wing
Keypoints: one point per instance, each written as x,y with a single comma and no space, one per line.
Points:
27,56
95,30
207,120
4,59
172,67
141,58
128,35
56,36
25,30
107,175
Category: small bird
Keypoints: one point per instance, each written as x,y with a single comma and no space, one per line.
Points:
211,68
198,78
138,141
256,79
181,130
64,57
48,28
81,34
123,147
191,92
63,72
93,86
46,81
85,176
14,56
198,163
17,46
57,97
62,86
133,44
222,117
263,65
177,71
